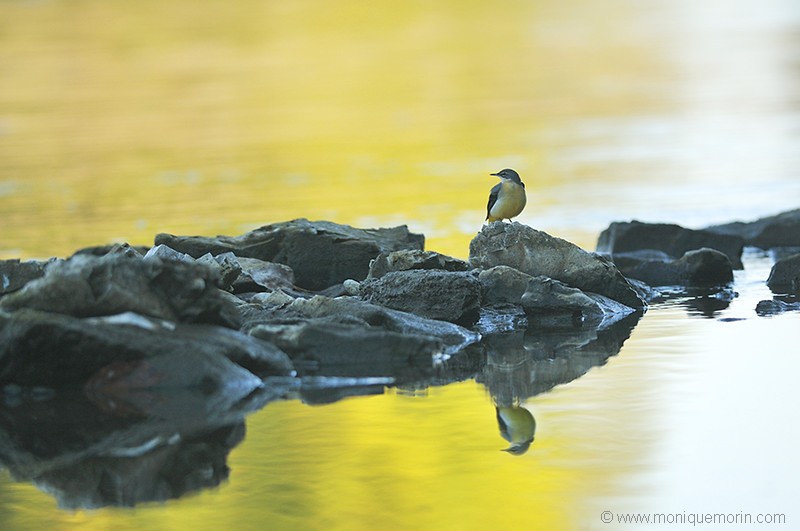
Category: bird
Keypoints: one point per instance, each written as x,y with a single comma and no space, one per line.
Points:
507,198
517,426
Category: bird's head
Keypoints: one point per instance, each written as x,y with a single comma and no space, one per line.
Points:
508,174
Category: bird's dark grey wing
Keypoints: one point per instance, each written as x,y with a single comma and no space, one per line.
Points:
493,198
501,423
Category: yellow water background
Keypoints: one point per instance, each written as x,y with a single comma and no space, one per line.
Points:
122,120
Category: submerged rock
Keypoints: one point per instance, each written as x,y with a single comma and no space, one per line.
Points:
320,253
444,295
781,230
405,260
537,253
785,275
701,267
552,304
89,286
674,240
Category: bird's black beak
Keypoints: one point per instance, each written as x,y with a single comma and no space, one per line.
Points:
495,174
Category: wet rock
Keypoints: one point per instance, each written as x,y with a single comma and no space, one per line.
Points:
776,306
443,295
15,274
674,240
781,230
163,252
320,253
53,350
779,253
414,259
351,350
538,254
701,267
503,285
277,308
785,275
86,286
552,304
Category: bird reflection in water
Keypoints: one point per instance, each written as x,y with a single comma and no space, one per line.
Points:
517,426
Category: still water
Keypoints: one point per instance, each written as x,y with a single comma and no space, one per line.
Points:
119,121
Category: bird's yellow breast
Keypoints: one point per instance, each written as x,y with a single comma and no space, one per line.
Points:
510,201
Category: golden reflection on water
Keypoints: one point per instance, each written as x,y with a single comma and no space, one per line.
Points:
118,121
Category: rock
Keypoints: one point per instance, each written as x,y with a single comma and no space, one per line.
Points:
776,306
781,230
503,285
778,253
351,350
52,350
86,286
226,265
15,274
405,260
785,275
114,248
674,240
281,309
552,304
701,267
257,275
538,254
164,252
443,295
320,253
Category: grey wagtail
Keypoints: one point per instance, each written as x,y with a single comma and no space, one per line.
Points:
507,198
518,427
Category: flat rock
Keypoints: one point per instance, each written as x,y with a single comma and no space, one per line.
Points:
552,304
405,260
785,275
444,295
700,267
536,253
320,253
781,230
674,240
89,286
53,350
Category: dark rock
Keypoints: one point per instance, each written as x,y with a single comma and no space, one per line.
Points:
53,350
781,230
352,350
503,285
87,286
258,275
15,274
552,304
448,296
163,252
776,306
701,267
320,253
538,254
405,260
624,237
785,275
277,308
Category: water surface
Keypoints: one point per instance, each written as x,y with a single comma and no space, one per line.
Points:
121,121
